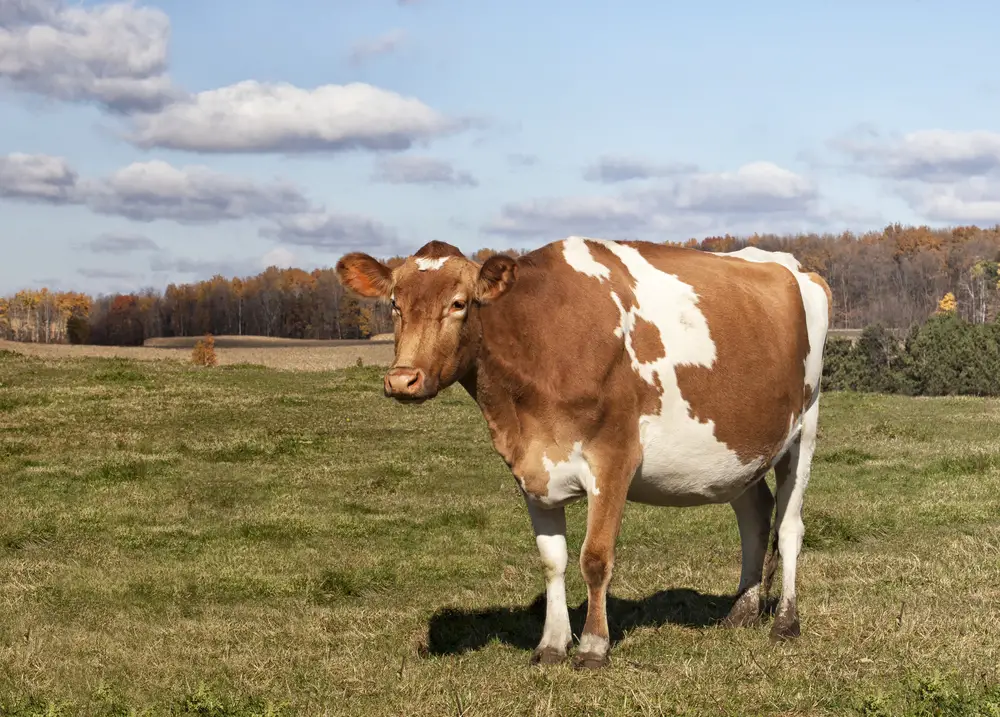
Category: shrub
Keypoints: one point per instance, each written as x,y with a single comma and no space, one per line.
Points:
944,356
204,352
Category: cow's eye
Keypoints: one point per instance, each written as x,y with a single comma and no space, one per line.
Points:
395,306
458,305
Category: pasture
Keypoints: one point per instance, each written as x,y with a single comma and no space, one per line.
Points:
245,540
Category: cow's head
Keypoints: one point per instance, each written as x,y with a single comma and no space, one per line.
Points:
436,295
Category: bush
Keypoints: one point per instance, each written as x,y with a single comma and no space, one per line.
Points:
944,356
204,352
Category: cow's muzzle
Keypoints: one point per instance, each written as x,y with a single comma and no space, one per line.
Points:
407,384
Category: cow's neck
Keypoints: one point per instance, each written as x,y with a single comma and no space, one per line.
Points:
492,385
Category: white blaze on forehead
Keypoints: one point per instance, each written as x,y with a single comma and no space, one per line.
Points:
425,264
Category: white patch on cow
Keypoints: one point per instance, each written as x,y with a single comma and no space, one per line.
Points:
683,463
425,264
578,256
591,644
570,477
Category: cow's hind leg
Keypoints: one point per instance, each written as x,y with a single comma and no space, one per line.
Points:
550,536
753,514
792,473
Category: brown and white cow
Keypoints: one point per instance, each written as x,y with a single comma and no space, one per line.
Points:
622,371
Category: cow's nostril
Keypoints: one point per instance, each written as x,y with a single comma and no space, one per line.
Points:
414,380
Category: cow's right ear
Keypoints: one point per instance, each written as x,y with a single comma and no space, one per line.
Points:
364,275
496,276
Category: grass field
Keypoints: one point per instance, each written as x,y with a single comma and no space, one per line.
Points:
243,540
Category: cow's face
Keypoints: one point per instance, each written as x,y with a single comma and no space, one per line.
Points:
436,295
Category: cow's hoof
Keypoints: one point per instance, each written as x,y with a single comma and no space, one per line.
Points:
590,661
745,613
786,627
547,656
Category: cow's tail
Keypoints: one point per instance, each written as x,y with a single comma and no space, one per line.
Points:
771,560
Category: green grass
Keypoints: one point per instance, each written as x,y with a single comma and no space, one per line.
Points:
253,542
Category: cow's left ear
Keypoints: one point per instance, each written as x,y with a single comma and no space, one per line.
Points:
496,276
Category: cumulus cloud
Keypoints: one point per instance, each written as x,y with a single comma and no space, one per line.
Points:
37,177
609,170
121,244
254,116
148,191
114,54
944,175
933,155
383,44
753,195
97,273
421,170
331,231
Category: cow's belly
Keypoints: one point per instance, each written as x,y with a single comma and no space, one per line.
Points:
683,464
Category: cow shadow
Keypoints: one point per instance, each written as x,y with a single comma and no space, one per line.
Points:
454,631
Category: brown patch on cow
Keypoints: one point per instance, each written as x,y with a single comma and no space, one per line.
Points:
807,399
759,326
647,341
438,250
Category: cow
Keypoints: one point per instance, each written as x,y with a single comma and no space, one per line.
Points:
624,371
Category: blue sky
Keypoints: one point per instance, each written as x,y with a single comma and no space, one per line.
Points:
154,142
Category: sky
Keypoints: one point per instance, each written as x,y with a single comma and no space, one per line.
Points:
145,143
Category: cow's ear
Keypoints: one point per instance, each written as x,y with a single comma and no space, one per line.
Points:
496,276
364,275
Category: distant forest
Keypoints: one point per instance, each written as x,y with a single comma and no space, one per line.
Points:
893,278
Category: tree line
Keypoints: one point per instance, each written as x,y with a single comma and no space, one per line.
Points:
893,277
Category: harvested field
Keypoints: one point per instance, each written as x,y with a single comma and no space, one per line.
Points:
258,342
279,354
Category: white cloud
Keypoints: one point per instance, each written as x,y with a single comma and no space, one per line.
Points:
37,177
331,231
421,170
279,257
121,244
944,175
148,191
114,54
754,197
383,44
253,116
933,155
145,191
97,273
610,169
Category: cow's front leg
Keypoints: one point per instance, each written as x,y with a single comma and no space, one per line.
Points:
550,536
605,505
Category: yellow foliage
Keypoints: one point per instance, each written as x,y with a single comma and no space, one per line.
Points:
947,304
204,352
